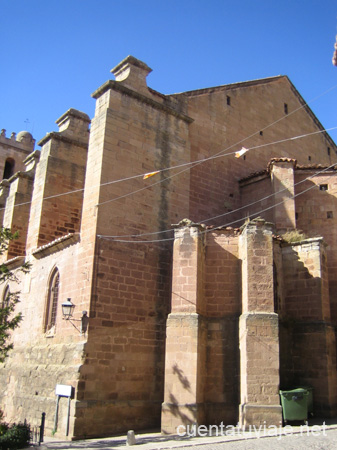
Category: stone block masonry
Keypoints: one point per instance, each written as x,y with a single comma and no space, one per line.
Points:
185,326
17,208
186,332
306,321
258,329
61,169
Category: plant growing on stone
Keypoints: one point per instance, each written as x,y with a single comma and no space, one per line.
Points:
8,319
294,236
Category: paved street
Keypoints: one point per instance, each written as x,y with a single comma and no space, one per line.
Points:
316,437
293,442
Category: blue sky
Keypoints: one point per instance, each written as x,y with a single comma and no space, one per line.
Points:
54,54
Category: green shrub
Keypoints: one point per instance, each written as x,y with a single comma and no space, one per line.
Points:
3,428
3,425
17,436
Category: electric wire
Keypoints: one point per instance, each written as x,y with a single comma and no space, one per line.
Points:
220,226
198,162
193,163
226,213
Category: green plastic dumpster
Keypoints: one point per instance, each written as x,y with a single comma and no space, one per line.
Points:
294,404
310,398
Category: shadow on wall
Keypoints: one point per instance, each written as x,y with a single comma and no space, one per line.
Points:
316,211
307,339
182,378
174,405
223,305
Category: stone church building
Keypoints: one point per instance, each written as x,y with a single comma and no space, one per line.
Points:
199,322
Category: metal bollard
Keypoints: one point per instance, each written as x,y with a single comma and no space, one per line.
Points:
43,419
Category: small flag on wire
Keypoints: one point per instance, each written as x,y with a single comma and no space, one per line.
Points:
150,174
241,152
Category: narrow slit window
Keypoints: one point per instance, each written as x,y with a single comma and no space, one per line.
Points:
228,100
285,108
329,215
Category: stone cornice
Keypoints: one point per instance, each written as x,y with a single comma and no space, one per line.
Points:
131,60
60,137
258,176
22,147
56,245
225,87
4,183
223,230
75,113
312,115
34,155
27,175
316,240
254,177
281,160
14,263
116,86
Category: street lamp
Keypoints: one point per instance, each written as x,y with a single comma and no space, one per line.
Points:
67,309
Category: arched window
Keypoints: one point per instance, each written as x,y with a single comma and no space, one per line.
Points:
52,300
5,297
4,304
9,168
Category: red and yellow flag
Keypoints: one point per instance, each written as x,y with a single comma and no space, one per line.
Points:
150,174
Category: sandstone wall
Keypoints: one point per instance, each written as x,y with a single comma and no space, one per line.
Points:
256,197
316,216
133,132
117,367
308,347
122,379
223,300
41,360
222,319
61,170
255,117
15,148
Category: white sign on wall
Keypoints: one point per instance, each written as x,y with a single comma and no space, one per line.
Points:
63,390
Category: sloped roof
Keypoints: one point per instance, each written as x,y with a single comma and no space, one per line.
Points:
225,87
261,81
